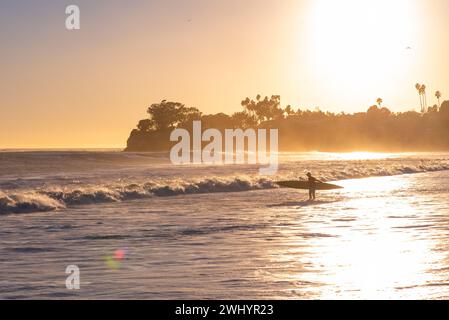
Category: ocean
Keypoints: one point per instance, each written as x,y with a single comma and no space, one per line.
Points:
138,227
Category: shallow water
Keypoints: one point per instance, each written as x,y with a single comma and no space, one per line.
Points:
379,237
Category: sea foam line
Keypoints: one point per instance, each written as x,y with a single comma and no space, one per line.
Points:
55,198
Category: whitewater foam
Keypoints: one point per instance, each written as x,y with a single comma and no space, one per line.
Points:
27,202
50,196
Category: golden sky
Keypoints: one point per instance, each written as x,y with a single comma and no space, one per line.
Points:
88,88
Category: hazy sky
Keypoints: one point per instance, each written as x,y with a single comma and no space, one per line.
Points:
88,88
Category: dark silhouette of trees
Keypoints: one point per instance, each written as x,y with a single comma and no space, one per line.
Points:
218,121
168,115
444,109
377,129
145,125
418,88
243,120
438,96
264,110
422,96
374,112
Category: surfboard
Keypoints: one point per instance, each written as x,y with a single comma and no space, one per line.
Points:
296,184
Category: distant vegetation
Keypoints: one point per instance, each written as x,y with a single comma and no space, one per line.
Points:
377,129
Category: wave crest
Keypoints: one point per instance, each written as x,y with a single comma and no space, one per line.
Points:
27,202
53,198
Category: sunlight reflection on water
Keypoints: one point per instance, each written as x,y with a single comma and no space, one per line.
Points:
374,250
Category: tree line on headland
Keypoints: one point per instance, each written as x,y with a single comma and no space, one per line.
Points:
377,129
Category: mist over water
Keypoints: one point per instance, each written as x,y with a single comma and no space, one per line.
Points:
223,231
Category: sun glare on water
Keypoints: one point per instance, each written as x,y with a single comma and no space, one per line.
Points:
381,256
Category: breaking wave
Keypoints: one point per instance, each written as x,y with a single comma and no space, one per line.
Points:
48,200
54,198
27,202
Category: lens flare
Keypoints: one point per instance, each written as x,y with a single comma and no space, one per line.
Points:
115,260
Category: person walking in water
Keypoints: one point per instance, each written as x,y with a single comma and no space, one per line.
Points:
312,185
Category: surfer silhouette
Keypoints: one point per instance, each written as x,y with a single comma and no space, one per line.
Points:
312,185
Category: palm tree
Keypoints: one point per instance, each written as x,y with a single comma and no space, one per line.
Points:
438,95
379,102
422,96
418,88
423,92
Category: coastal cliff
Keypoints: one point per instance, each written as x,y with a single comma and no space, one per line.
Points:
145,141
